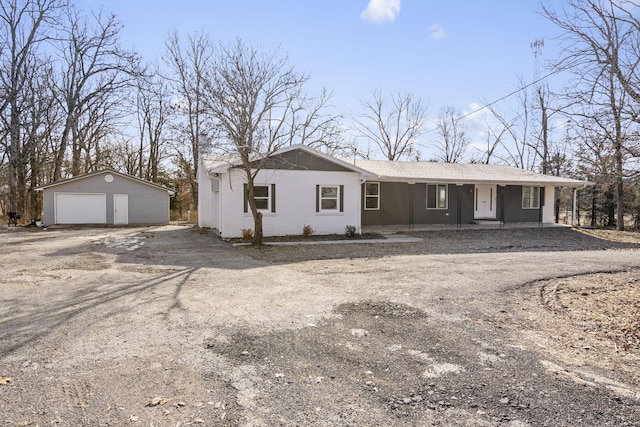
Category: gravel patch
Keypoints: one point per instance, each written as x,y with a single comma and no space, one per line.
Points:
170,326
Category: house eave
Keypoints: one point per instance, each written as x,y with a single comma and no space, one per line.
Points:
537,183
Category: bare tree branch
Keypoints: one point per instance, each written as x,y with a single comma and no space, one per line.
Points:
256,99
394,123
454,139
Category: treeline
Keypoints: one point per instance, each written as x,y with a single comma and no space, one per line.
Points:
73,101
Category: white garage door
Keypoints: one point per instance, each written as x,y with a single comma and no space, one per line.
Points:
81,208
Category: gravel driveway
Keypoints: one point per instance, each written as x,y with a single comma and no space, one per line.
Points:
170,326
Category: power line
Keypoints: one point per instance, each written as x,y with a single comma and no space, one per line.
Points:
510,94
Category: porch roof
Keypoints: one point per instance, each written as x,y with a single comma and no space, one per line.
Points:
457,173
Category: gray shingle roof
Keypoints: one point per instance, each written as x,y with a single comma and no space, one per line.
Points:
456,173
450,173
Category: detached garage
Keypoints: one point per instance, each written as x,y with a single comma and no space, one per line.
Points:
105,197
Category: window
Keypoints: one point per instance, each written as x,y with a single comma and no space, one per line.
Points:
329,198
264,196
261,196
530,197
437,196
372,196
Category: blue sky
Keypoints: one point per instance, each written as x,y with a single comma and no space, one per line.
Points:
459,52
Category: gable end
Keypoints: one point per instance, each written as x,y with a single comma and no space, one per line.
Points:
301,160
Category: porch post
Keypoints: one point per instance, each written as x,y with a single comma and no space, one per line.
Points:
573,212
458,206
501,189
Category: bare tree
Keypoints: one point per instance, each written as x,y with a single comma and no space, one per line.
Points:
317,128
394,123
194,129
256,99
454,139
494,141
153,112
94,66
24,25
601,48
517,133
42,117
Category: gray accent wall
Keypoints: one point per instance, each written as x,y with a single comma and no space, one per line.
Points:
301,160
511,196
147,204
402,203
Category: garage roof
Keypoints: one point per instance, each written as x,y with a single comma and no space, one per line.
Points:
106,171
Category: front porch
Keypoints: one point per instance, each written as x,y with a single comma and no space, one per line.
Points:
482,225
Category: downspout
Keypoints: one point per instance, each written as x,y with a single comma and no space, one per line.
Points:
363,182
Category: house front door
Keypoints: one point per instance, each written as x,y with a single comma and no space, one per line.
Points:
485,202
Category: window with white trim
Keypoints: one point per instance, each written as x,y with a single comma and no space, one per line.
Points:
261,196
372,196
437,196
530,197
329,198
264,196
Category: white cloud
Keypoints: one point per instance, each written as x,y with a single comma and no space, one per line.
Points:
380,11
437,32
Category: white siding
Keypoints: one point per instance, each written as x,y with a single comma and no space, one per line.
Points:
205,198
295,202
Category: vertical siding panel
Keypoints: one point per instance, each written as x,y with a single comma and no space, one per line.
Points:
513,211
466,203
394,205
420,203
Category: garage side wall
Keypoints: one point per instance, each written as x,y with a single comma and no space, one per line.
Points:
146,204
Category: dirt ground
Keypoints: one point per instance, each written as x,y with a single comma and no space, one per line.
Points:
170,326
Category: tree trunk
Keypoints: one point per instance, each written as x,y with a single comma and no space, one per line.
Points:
619,190
257,215
545,139
21,186
35,208
257,229
76,153
64,139
14,157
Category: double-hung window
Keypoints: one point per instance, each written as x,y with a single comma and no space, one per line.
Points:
372,196
264,195
437,196
530,197
261,196
329,198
